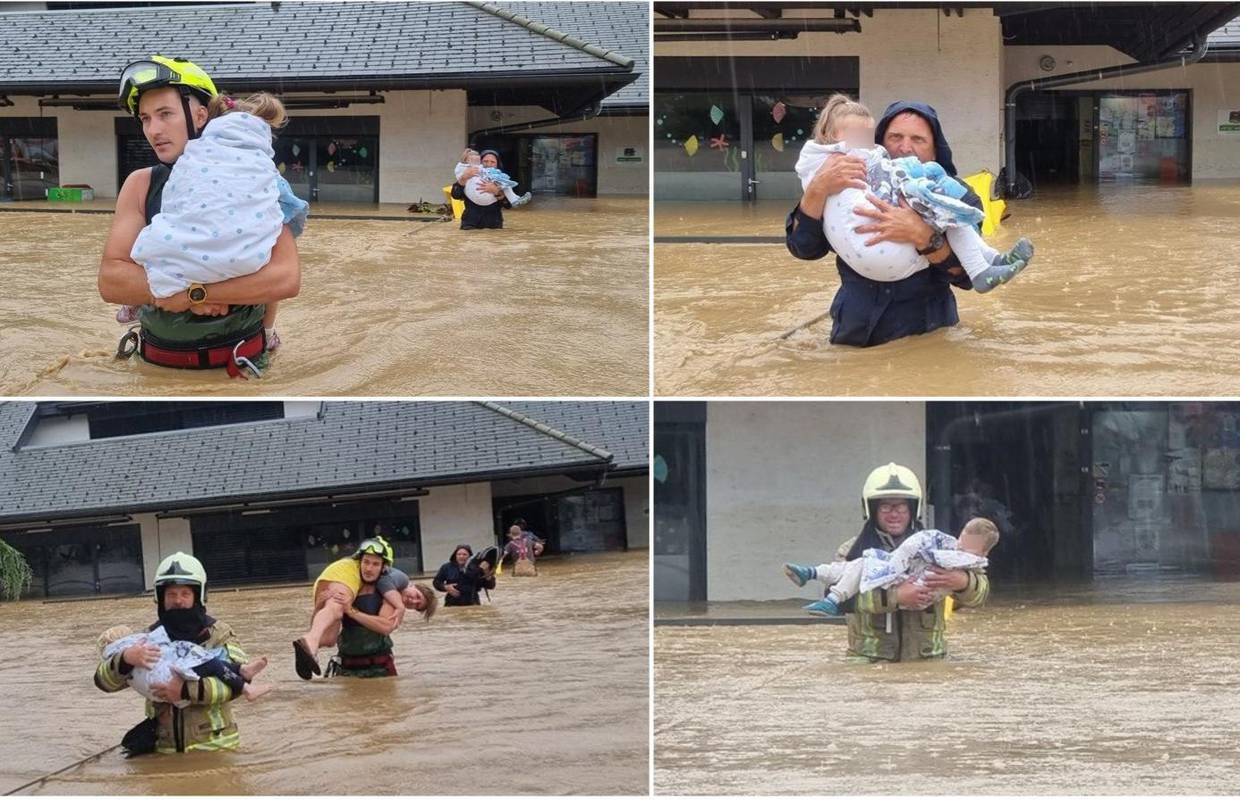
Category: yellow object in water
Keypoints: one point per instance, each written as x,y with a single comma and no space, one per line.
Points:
983,184
458,206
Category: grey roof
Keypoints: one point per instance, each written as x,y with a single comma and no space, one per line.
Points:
243,43
623,26
623,429
350,446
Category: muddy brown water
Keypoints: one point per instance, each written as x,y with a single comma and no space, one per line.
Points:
544,692
1116,688
1130,293
556,303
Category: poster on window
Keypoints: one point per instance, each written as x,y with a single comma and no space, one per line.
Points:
1145,494
1229,122
1221,469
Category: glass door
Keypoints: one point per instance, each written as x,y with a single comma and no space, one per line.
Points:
31,166
591,521
345,171
295,159
561,165
1151,473
781,125
1143,137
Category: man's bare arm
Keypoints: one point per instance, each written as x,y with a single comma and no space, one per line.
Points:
121,280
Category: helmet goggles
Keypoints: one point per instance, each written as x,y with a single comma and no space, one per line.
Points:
158,72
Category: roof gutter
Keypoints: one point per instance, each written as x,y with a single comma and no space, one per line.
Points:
1085,76
540,79
552,33
544,428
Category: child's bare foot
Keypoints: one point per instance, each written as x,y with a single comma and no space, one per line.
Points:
252,668
253,692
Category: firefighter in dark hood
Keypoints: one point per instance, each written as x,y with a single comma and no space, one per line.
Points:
207,722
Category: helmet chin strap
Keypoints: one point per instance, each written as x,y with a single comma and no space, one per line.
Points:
193,132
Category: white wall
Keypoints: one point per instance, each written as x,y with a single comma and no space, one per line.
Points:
952,63
614,133
452,515
53,431
421,138
783,483
1214,87
300,409
636,510
160,539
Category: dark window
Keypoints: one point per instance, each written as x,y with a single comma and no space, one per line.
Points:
72,562
295,543
127,419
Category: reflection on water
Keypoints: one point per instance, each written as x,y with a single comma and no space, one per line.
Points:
1130,294
1115,688
544,692
554,304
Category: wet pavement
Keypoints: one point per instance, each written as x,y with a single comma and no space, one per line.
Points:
554,304
546,691
1129,294
1118,687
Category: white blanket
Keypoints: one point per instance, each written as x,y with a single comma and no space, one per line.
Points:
220,214
175,658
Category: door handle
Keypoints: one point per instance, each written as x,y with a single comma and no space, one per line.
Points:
752,181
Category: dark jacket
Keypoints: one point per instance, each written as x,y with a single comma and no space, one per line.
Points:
468,582
476,216
865,312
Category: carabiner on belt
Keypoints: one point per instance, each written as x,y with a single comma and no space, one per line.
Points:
128,345
239,361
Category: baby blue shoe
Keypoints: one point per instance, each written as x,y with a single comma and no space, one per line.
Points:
825,607
800,575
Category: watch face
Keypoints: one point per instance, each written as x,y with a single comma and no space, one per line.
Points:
197,294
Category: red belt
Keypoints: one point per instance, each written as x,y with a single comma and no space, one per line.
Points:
357,662
210,357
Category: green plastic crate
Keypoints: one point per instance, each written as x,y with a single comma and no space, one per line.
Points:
61,194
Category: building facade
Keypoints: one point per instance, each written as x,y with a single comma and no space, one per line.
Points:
382,96
96,494
737,89
1078,489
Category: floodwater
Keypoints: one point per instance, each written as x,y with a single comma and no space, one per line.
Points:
556,303
1117,688
544,692
1131,292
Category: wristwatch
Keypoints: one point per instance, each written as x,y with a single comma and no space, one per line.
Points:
936,243
198,293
